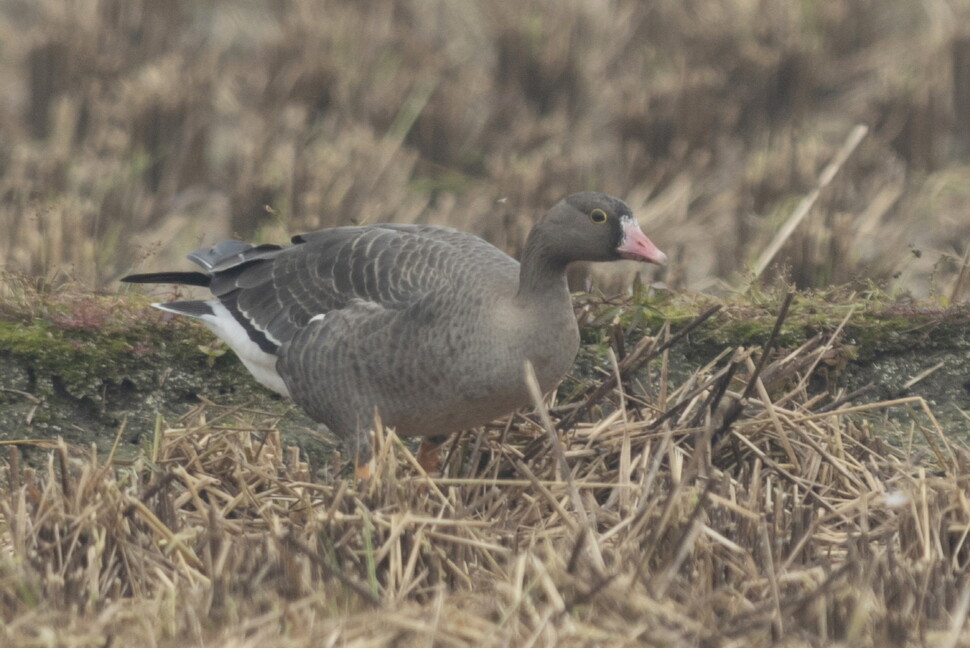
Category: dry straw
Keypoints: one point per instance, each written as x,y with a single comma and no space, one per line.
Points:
732,509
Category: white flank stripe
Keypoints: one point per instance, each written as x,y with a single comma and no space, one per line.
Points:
317,318
260,364
272,338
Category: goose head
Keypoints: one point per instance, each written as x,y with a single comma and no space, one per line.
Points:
592,226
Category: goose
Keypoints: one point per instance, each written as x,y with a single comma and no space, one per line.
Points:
428,327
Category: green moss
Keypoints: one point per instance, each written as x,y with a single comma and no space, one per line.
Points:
77,365
80,366
83,360
874,325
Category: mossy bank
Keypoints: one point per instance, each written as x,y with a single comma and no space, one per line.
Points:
84,367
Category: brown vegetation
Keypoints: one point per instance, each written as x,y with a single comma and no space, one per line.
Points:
141,128
733,509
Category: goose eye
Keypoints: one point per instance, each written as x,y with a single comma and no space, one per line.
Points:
598,216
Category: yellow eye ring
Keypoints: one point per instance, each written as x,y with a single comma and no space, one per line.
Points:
598,216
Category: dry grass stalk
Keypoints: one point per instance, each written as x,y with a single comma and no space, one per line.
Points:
806,204
125,146
797,526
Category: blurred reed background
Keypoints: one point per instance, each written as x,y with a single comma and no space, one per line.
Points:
132,131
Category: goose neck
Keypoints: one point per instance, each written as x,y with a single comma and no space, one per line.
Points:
542,275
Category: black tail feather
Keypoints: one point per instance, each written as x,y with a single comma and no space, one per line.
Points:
184,278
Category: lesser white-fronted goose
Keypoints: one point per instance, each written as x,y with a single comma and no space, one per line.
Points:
426,325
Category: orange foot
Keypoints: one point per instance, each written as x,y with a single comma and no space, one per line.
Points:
429,453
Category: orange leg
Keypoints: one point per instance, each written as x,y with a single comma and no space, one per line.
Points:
429,453
362,472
